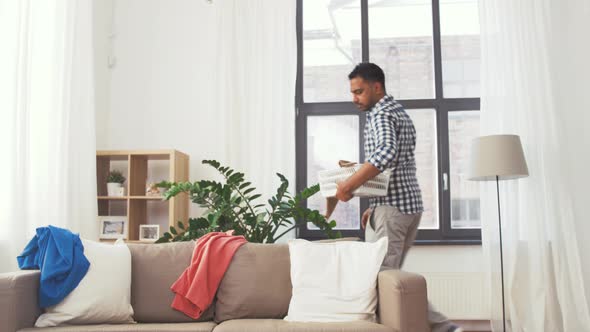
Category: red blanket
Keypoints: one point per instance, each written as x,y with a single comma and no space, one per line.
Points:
197,285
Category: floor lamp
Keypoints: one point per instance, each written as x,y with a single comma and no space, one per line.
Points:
495,158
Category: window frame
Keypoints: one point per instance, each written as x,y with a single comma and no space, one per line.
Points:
445,234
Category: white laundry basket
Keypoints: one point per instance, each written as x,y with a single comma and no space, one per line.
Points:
377,186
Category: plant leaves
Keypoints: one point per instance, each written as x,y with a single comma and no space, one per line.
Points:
226,209
247,191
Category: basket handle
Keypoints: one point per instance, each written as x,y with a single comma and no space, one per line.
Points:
346,163
331,203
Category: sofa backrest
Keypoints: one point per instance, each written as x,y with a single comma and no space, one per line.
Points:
154,268
257,283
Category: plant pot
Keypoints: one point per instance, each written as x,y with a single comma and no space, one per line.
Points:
113,189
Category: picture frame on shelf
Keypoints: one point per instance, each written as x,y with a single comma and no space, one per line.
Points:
113,227
149,233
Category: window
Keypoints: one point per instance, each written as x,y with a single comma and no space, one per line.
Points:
400,41
332,138
463,127
460,48
331,37
429,50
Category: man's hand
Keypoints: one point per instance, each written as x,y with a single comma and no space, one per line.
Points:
345,188
343,191
364,174
365,218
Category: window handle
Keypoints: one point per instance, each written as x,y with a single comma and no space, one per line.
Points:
445,182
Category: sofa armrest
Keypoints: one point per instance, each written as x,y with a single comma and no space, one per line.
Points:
18,300
403,303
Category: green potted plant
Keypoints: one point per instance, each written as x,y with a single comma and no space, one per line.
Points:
115,181
234,206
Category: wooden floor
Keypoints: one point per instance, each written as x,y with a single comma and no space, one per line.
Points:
474,325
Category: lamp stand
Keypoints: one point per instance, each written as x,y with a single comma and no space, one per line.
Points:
501,255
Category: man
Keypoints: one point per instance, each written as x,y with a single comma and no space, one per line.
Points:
390,141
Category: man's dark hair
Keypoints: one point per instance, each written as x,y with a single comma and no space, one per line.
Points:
369,72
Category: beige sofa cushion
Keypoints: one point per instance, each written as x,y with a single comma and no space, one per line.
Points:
154,268
273,325
257,283
167,327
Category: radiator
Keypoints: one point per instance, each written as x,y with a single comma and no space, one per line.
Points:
460,296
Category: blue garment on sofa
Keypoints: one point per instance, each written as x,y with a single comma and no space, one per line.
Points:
59,254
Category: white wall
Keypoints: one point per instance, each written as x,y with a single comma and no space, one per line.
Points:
102,29
158,96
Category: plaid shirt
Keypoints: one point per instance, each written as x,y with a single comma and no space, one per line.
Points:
390,141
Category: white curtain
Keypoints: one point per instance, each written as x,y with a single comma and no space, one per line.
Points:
255,85
47,121
535,70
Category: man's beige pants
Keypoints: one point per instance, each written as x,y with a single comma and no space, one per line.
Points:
401,230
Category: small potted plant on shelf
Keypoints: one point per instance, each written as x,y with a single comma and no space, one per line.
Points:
115,182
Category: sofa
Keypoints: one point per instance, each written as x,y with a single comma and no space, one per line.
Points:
253,295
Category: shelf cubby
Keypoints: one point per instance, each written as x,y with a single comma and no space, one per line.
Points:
141,168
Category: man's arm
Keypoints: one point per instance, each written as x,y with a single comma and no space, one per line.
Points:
381,159
386,141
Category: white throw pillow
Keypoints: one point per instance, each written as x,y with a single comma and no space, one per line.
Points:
104,294
334,282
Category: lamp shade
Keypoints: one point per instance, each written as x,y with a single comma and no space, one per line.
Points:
497,155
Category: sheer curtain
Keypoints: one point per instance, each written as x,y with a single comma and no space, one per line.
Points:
256,71
47,121
535,68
